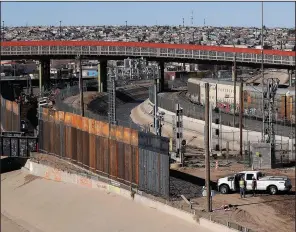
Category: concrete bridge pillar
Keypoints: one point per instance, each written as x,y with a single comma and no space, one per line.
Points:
290,76
234,71
44,74
161,78
102,76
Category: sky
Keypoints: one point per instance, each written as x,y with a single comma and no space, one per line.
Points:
246,14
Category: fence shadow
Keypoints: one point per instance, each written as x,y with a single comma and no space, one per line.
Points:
188,185
9,164
190,178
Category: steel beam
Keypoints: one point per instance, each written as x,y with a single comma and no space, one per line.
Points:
161,77
44,73
102,84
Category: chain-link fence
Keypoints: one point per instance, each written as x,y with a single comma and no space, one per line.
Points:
224,136
90,85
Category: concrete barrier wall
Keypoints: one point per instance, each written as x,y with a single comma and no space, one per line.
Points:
84,181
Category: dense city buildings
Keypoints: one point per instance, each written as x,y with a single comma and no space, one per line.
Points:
274,38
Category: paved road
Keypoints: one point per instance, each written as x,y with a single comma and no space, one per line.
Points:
32,204
127,98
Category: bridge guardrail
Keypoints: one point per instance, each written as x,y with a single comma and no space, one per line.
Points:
160,51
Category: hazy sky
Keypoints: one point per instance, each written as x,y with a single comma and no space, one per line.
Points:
276,14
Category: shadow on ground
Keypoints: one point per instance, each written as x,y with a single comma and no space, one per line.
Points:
187,185
11,164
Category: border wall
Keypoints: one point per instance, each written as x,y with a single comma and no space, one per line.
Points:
10,115
138,159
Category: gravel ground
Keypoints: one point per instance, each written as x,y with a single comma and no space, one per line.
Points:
180,187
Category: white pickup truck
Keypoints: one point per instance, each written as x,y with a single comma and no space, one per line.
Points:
272,184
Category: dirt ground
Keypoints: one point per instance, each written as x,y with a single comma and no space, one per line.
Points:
261,213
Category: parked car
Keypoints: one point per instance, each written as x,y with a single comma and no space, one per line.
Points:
272,184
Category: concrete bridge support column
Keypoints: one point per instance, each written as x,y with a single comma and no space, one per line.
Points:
102,76
234,71
290,77
44,74
161,78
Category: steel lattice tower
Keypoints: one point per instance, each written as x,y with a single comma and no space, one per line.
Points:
269,91
111,88
133,69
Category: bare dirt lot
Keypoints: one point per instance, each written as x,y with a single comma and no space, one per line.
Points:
260,213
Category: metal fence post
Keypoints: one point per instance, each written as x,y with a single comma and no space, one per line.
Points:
131,150
11,117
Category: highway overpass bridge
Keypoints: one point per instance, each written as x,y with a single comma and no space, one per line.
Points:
103,51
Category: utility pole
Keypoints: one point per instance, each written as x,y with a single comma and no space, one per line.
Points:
207,146
234,88
60,29
234,73
126,31
262,70
183,22
241,110
192,18
81,86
